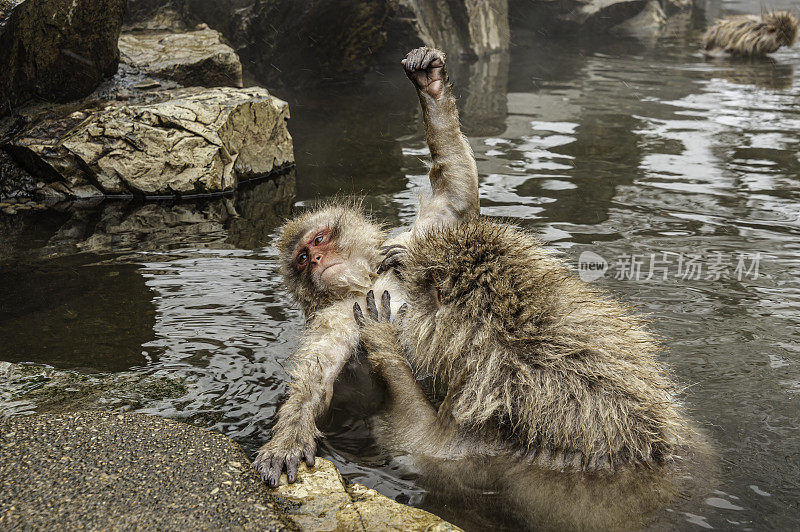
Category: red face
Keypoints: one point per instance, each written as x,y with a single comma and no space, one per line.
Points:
316,252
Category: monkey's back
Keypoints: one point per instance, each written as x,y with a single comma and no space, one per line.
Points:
522,347
751,35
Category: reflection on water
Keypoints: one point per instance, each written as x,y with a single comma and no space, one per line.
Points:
618,146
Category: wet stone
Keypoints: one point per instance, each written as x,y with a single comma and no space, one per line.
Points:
166,143
56,50
191,58
120,471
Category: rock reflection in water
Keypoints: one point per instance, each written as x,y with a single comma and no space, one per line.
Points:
88,306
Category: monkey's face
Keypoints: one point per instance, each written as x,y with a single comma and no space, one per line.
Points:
316,256
326,265
329,254
779,27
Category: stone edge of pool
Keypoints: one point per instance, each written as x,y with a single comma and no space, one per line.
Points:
108,470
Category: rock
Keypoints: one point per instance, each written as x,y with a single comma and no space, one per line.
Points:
44,389
648,19
190,58
14,180
120,471
56,50
570,16
463,28
171,142
284,42
113,471
322,501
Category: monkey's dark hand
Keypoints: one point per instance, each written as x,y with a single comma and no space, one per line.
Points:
393,259
284,451
379,335
425,68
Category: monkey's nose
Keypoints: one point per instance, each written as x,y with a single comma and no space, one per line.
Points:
317,258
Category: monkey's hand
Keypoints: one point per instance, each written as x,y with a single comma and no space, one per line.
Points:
379,335
284,451
425,68
393,259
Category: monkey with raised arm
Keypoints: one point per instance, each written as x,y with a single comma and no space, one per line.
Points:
332,255
551,392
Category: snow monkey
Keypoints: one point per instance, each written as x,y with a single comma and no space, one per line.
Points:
751,35
331,256
550,391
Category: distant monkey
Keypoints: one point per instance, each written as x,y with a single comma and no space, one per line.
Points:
751,35
551,392
332,256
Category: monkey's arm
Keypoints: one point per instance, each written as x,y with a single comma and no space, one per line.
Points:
328,342
409,422
454,175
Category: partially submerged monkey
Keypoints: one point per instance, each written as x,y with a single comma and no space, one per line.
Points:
751,35
551,392
330,256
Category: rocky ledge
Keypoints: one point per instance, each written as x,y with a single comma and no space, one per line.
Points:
109,471
191,58
168,142
173,121
56,50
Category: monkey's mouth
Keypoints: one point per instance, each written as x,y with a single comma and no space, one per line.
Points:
326,267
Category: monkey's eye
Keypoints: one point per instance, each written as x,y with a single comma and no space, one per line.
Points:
301,258
318,239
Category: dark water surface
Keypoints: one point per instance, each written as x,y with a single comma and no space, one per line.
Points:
635,149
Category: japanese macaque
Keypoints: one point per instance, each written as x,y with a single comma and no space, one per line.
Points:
751,35
331,256
549,391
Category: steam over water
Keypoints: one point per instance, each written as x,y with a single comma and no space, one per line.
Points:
669,167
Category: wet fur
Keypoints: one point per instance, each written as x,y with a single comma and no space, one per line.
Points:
552,404
524,349
751,35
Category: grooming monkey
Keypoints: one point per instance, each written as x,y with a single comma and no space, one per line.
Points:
330,256
750,35
551,393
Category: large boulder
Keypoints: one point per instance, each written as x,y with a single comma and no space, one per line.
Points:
285,42
56,50
560,16
467,28
172,142
110,471
190,58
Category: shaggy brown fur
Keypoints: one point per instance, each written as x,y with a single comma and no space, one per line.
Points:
750,35
528,356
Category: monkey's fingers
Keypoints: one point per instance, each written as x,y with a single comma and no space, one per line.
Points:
275,468
393,260
386,306
308,453
292,461
401,313
358,314
433,58
386,249
372,309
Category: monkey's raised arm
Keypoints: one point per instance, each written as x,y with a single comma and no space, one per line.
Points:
330,338
454,175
